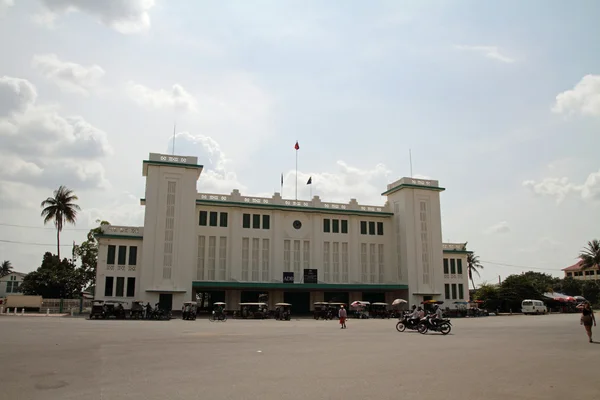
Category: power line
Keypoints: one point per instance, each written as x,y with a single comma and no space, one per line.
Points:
33,244
41,227
520,266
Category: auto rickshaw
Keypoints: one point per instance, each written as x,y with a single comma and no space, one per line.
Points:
189,310
97,309
321,310
253,310
137,310
379,310
283,311
218,313
115,308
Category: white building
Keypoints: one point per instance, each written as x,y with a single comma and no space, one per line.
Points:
233,247
9,284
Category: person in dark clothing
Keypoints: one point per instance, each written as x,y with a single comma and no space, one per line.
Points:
587,319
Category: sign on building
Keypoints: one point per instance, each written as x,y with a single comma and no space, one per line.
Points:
310,276
288,277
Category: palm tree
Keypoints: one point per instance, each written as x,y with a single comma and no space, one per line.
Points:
61,209
590,255
5,268
473,266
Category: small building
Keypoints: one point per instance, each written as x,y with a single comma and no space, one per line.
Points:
10,284
576,271
456,274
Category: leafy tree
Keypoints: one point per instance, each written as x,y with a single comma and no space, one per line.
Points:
54,279
591,291
590,255
5,268
61,209
490,295
569,286
87,252
473,266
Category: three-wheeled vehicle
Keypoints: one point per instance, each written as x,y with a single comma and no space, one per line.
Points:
283,311
137,310
97,309
321,310
218,312
253,311
379,310
189,310
360,309
106,309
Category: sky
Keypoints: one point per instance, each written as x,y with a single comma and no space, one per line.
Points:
498,100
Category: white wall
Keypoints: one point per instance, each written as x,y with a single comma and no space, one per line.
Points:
4,282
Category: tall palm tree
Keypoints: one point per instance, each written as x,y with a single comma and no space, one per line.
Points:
473,266
61,209
5,268
590,255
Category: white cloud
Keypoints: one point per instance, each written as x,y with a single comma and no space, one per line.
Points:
177,97
4,5
124,210
583,99
499,228
124,16
69,76
42,148
560,188
487,51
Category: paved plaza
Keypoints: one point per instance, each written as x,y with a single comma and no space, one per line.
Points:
507,357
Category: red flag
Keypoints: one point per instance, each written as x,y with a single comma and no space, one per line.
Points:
296,146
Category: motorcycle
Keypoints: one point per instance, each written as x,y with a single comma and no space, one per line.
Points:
444,326
407,323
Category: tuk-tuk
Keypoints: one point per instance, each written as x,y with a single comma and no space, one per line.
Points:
115,308
379,310
360,309
218,312
137,310
321,310
97,309
283,311
189,310
253,310
334,308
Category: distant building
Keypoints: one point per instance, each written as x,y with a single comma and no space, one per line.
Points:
10,284
576,271
235,248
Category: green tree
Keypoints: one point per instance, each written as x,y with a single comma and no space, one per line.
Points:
5,268
54,279
590,255
568,286
61,209
591,291
516,288
473,266
490,295
87,252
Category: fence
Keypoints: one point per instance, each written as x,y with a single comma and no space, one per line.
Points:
65,305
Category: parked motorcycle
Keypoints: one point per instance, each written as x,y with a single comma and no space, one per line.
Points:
444,326
407,323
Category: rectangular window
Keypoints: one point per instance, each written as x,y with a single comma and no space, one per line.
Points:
245,257
381,264
461,293
132,255
371,227
287,264
212,244
255,258
344,226
363,227
255,221
223,220
266,222
108,286
336,262
380,228
452,266
130,287
246,221
203,220
345,262
296,257
122,255
363,263
335,225
373,263
326,225
454,291
110,258
326,257
265,258
222,258
459,267
446,269
213,218
306,254
201,257
447,290
120,287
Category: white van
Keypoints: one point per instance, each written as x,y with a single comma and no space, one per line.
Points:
533,307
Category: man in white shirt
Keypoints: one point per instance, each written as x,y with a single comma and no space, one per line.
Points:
437,316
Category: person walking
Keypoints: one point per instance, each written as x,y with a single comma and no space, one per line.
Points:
587,319
342,314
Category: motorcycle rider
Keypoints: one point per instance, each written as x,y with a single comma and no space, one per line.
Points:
414,316
437,315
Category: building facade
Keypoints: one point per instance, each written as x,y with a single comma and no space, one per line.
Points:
10,284
575,271
235,248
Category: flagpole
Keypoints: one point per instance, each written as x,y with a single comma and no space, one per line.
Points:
410,158
296,173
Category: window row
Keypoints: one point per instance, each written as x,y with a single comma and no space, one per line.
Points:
212,258
121,257
582,273
116,287
211,218
335,254
254,221
12,287
453,287
369,228
335,225
453,266
372,261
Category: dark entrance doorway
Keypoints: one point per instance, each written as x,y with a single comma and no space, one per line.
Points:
165,301
207,299
337,297
374,297
248,296
300,302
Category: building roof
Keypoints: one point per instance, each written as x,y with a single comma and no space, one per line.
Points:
574,267
21,274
